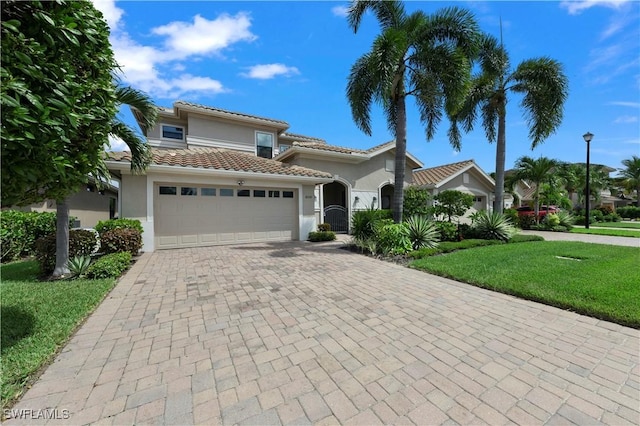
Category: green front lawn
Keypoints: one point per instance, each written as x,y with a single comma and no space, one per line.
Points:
591,279
611,232
37,319
630,225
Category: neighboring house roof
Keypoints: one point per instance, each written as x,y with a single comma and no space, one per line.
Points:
301,138
349,154
220,159
435,176
179,106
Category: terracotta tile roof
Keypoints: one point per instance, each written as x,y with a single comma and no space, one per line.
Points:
302,138
435,175
381,146
224,111
221,159
327,147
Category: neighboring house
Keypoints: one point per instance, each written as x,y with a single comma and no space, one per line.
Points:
89,205
464,176
361,178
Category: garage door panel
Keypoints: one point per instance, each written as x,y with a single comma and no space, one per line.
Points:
199,220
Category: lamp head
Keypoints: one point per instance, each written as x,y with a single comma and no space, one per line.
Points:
587,137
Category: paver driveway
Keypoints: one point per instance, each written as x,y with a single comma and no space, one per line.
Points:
296,333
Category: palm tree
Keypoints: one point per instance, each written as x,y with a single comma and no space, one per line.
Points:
541,82
147,114
631,175
536,171
419,55
572,176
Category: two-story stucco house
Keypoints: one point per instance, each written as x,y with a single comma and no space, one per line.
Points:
222,177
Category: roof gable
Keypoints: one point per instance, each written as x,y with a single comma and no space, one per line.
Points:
438,176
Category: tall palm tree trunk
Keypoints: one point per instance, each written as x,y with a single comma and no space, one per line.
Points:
62,238
401,151
501,149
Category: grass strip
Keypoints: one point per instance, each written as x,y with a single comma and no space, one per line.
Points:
37,319
591,279
629,225
611,232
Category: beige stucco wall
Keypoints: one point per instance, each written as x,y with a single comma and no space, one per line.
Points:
88,207
475,185
134,197
154,134
366,176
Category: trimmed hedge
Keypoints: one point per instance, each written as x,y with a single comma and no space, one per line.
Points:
19,232
111,224
81,243
121,240
110,266
322,236
629,212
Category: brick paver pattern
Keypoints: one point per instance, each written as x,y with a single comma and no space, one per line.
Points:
297,333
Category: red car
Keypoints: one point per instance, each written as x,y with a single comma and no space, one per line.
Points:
529,211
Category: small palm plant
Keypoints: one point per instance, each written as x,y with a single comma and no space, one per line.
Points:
78,266
423,232
494,226
566,219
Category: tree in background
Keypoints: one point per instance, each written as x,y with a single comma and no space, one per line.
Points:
415,202
544,88
419,55
631,175
451,203
536,171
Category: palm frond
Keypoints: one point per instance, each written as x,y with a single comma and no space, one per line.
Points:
141,105
140,152
389,13
545,88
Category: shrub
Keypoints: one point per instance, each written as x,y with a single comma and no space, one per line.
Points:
109,266
526,222
415,201
323,227
81,243
520,238
467,232
629,212
392,238
363,222
78,266
566,219
494,226
552,220
121,240
20,230
605,209
597,216
448,231
512,214
423,233
111,224
612,217
322,236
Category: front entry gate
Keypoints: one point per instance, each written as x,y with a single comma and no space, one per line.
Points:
337,217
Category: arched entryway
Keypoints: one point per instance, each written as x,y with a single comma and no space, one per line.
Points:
386,196
335,209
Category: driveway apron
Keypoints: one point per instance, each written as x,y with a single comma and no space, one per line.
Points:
301,333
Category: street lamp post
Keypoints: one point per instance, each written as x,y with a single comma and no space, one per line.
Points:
587,138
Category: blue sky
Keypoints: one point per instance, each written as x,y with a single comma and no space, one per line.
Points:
290,60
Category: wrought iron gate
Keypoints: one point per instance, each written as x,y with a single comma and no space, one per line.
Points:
337,217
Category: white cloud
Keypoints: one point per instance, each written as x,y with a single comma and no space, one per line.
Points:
625,104
575,7
268,71
116,144
153,69
204,36
111,13
625,119
340,11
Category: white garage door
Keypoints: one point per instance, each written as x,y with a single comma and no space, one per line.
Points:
199,215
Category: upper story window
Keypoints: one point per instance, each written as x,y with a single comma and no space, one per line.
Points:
264,145
172,132
283,148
